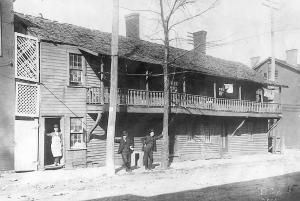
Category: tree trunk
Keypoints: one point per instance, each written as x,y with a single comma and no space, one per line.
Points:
165,145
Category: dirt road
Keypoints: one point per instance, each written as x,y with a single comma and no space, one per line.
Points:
194,180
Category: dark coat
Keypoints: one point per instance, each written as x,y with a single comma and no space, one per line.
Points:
150,142
124,145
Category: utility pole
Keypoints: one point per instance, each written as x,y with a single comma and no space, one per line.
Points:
272,5
113,96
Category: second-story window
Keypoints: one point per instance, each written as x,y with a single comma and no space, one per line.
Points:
76,69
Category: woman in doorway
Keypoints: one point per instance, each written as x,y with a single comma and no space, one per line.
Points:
56,145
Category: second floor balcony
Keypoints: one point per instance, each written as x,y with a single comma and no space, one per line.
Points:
186,102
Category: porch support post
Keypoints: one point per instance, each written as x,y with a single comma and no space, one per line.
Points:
184,84
215,90
147,87
102,98
262,95
240,92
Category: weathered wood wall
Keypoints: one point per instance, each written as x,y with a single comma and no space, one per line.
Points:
243,143
59,98
7,86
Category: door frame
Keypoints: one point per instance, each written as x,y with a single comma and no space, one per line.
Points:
42,138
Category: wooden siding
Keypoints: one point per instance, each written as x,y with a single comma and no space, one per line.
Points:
58,98
242,143
196,148
55,77
76,158
96,152
190,141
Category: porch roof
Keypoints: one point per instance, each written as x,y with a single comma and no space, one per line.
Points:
138,50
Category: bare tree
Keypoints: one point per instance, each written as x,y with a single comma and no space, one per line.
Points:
168,10
169,19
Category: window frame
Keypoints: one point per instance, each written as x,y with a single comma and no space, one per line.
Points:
81,132
82,70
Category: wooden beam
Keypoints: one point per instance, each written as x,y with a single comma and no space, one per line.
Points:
241,124
90,132
88,51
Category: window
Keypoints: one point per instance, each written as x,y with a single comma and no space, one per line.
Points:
76,70
76,131
265,75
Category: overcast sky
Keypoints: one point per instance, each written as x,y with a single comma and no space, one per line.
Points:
241,28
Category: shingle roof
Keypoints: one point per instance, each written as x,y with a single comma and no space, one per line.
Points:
138,50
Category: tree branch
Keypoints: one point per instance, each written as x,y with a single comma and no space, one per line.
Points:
151,11
194,16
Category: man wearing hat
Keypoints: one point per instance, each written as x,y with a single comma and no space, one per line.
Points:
149,146
125,149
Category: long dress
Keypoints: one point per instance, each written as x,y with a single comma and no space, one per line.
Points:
56,145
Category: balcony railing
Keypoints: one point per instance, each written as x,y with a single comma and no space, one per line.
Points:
133,97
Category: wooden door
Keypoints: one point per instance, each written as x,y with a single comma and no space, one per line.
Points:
26,145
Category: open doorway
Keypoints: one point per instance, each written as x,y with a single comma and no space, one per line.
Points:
49,123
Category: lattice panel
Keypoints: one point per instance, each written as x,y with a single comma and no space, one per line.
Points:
27,57
27,100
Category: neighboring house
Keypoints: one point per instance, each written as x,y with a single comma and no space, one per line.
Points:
288,73
216,105
7,86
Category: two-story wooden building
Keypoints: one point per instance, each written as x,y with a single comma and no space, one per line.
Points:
216,105
288,73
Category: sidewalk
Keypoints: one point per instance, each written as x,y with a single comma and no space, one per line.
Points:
89,183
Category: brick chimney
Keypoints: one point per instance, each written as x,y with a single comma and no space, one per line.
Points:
133,25
254,61
292,57
199,39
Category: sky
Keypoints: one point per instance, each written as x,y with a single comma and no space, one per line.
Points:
240,29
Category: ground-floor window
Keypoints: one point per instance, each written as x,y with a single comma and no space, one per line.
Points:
77,135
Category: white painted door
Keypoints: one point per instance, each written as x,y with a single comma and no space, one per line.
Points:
26,145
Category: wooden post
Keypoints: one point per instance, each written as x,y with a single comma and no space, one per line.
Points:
102,82
215,90
240,92
147,87
113,92
184,84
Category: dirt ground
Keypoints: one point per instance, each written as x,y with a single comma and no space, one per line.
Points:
256,177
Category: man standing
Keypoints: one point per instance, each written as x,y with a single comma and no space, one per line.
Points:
125,149
149,146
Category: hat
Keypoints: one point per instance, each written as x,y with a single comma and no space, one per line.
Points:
55,126
125,133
